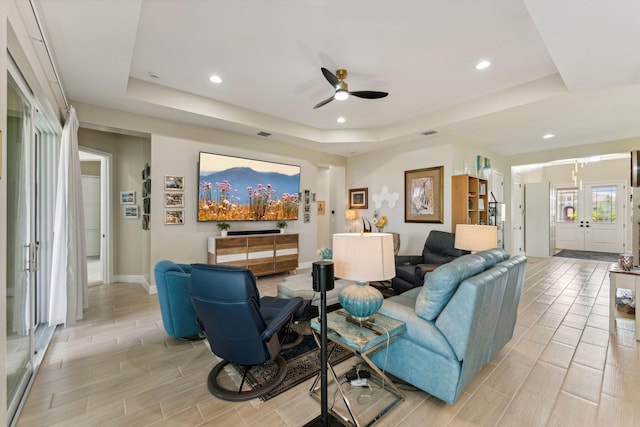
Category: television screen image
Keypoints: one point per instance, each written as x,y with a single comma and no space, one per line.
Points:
238,189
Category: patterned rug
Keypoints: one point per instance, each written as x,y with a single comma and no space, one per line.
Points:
594,256
303,361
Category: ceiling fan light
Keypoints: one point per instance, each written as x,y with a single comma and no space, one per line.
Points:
341,95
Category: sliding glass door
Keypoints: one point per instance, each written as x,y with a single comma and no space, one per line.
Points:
31,165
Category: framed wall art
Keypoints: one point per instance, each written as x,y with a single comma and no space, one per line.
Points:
358,198
173,183
173,200
174,217
423,195
131,211
127,197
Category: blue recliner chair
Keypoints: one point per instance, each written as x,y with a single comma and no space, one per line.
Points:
178,315
241,327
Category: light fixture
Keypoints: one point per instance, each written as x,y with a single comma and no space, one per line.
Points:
476,238
341,95
574,174
548,136
341,119
362,257
215,79
482,65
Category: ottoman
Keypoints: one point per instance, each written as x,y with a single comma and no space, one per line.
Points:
301,285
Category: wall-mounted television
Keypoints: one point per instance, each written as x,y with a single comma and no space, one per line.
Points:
239,189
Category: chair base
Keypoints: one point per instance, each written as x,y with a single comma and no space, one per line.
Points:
292,339
198,337
238,395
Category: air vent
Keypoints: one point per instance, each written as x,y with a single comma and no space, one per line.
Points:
429,132
265,134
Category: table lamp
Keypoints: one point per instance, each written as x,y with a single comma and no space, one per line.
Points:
362,257
350,215
476,238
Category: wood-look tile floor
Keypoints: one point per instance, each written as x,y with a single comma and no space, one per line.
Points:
119,368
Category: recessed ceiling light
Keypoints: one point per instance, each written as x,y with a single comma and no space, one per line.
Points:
548,136
483,64
215,79
341,120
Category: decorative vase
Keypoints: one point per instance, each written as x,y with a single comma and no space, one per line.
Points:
223,233
360,300
626,262
282,231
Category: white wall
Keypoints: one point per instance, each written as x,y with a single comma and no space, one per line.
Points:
386,168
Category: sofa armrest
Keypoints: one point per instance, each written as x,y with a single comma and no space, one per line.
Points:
421,270
408,259
186,268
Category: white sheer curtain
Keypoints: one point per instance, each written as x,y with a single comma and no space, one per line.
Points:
69,287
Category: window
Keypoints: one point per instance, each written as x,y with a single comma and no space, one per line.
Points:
603,204
567,202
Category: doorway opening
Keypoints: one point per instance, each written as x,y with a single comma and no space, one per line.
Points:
95,167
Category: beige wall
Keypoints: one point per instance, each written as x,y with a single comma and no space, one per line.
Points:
187,243
130,244
90,168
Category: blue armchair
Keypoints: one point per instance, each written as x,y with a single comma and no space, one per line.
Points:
178,315
241,327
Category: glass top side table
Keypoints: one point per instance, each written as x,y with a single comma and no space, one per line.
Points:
363,405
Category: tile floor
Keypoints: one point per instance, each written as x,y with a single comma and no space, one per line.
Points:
119,368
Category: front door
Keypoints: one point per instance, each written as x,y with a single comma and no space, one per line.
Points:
591,218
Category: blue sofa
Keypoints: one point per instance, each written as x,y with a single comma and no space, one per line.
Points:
456,323
178,315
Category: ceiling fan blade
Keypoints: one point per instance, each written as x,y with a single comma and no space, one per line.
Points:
369,94
326,101
331,78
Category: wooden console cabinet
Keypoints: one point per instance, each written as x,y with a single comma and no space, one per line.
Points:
263,254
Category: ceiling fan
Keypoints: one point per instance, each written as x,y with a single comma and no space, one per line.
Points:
342,89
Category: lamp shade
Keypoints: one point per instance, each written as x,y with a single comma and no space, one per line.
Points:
350,214
362,257
476,238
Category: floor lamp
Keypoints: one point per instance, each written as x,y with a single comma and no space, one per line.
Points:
322,282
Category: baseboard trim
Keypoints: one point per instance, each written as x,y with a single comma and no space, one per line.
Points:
150,289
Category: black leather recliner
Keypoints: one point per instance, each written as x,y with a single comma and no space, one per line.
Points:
241,327
410,269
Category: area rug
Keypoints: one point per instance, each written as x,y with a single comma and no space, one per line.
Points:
303,361
590,255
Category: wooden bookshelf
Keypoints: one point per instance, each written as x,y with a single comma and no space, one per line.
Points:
469,200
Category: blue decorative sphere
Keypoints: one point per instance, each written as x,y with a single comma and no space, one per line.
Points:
360,300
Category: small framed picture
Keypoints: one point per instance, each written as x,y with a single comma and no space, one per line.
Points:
131,211
321,207
127,197
173,200
358,198
173,183
145,222
174,217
